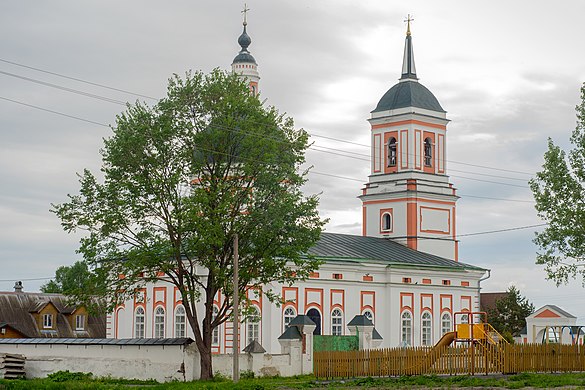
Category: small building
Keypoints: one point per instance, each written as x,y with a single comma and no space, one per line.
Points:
551,324
40,315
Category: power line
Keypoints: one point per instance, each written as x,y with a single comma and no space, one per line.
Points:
501,230
77,79
54,112
24,279
76,91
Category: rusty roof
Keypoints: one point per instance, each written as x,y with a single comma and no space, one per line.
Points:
17,310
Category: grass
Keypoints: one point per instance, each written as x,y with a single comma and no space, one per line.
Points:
307,382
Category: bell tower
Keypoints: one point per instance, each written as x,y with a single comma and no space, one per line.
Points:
244,63
408,197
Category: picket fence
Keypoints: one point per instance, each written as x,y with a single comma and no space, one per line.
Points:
467,359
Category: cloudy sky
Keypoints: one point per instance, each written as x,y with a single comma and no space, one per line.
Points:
508,73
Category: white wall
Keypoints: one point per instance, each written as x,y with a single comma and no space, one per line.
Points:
158,362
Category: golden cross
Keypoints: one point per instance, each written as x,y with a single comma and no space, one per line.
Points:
245,11
408,20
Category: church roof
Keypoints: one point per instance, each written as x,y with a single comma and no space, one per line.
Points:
408,93
244,55
340,247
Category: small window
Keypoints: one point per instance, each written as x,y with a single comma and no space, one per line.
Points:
336,322
386,222
338,276
465,284
314,275
159,323
446,282
426,281
428,152
406,329
392,152
445,323
253,325
139,323
288,315
215,332
47,321
406,280
180,322
426,329
80,322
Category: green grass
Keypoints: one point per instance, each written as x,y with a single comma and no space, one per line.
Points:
75,381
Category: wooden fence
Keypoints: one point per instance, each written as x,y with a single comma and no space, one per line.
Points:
476,359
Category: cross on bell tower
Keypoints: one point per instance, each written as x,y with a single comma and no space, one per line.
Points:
244,63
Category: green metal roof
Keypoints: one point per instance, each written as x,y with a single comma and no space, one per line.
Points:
345,247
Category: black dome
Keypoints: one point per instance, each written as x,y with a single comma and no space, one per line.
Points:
246,57
244,40
408,94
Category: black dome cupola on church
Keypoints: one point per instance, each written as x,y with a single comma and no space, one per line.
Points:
408,92
244,55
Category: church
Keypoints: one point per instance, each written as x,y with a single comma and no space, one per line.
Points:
403,273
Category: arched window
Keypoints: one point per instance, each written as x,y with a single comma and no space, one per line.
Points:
336,322
159,323
392,152
428,153
386,222
426,329
369,315
139,323
215,332
406,325
180,321
288,315
253,326
445,323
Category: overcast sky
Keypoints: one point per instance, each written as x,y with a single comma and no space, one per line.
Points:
507,72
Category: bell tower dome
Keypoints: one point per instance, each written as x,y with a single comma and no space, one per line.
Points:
408,197
244,63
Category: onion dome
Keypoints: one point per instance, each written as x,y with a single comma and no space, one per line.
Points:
244,55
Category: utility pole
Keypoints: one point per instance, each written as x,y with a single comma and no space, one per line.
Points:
236,312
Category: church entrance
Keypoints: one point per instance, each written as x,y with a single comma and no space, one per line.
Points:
315,316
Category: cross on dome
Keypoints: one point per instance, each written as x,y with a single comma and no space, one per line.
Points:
245,12
407,21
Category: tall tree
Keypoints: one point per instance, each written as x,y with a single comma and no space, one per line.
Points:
70,280
508,316
180,180
559,192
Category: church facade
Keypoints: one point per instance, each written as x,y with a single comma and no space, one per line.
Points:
402,273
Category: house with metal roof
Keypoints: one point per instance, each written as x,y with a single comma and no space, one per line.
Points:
40,315
402,273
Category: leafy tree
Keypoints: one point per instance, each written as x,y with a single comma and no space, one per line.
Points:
180,180
559,193
508,316
69,280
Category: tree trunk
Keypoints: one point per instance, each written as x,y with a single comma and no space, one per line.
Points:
206,365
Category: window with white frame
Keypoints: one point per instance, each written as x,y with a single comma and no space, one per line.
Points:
139,323
445,323
288,315
386,222
406,328
369,315
336,322
215,332
159,322
426,329
80,322
253,326
180,321
47,321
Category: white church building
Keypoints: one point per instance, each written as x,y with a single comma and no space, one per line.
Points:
403,272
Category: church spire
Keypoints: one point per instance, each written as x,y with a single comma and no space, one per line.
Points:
408,68
245,64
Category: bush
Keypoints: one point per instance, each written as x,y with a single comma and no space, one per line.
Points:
65,376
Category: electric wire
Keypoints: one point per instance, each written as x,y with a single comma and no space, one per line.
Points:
77,79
